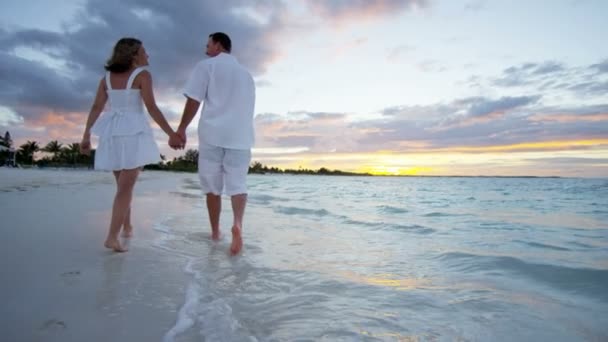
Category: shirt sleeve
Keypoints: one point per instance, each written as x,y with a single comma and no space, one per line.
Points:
196,87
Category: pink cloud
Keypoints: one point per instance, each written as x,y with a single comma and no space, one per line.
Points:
64,127
355,10
565,118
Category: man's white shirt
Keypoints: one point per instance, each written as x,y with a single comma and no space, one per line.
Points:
227,91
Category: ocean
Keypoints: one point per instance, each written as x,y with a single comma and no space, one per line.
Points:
331,258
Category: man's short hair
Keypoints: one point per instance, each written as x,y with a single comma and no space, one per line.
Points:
223,39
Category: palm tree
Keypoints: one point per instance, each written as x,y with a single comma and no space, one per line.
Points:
256,167
71,152
6,140
53,147
191,156
28,149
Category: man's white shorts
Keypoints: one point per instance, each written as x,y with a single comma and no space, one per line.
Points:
223,170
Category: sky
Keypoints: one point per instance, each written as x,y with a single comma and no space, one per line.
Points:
397,87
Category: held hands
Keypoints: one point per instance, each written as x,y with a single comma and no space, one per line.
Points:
177,140
85,145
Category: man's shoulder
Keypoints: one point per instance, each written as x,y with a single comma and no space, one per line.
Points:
204,62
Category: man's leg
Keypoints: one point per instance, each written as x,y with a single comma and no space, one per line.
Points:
214,207
211,177
238,208
236,167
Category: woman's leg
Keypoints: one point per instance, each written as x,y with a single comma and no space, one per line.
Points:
122,203
127,228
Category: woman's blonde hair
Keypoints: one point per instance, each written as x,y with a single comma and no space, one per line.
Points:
123,55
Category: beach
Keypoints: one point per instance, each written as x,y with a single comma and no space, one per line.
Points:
325,259
59,283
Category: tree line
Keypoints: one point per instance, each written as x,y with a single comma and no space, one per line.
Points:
58,154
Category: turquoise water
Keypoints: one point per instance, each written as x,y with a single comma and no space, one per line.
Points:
397,259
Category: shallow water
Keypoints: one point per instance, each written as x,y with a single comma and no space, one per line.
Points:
407,259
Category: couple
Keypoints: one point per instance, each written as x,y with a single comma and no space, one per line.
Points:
126,141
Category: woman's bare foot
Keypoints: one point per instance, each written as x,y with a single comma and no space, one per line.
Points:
237,241
127,231
114,245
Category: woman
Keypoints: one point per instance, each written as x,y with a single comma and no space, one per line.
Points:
126,142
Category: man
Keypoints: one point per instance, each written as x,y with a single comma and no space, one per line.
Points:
225,131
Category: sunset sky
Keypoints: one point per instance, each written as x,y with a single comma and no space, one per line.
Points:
430,87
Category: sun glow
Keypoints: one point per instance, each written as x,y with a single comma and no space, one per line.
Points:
554,158
379,170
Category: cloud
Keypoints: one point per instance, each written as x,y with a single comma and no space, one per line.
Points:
527,73
343,11
590,88
65,127
341,49
482,107
175,36
479,110
601,67
316,131
475,5
551,78
470,125
565,118
30,88
48,80
34,38
431,65
45,71
547,68
570,160
572,115
397,53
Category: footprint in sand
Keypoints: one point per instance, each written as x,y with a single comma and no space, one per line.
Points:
198,236
53,325
70,278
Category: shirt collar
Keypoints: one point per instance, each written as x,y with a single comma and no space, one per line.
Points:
225,56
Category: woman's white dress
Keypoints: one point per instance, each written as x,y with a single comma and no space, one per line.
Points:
126,140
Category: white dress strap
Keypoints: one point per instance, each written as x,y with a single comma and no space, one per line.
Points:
108,80
133,75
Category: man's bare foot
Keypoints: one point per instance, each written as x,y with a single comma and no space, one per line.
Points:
215,235
237,241
127,231
114,245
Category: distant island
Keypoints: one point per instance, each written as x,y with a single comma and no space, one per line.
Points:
189,163
59,155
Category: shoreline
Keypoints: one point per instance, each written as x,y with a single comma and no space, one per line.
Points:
63,284
316,174
303,266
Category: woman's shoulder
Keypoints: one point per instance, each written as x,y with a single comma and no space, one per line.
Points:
143,76
143,73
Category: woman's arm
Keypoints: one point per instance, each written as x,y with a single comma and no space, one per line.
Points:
100,101
147,94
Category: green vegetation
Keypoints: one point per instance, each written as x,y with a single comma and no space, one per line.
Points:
56,154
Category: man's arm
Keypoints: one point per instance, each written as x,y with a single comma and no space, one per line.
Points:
190,109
